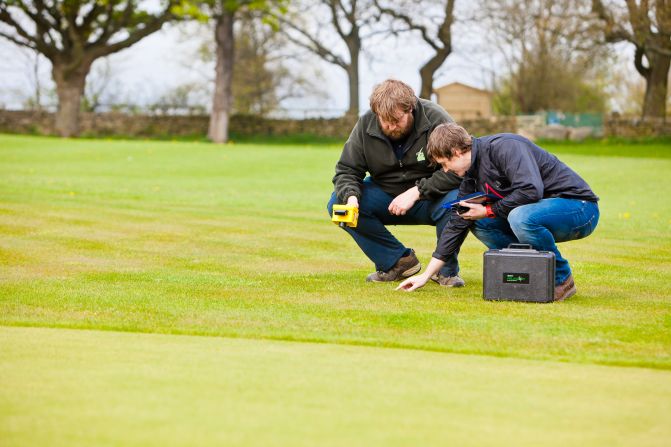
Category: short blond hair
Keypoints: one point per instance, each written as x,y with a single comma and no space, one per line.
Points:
447,141
390,97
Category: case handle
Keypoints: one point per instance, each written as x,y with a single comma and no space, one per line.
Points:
521,246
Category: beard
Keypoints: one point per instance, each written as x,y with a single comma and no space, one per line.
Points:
401,133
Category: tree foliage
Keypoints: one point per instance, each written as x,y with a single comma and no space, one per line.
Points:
262,78
553,60
72,34
264,72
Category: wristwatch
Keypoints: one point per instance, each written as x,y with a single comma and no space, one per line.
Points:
490,213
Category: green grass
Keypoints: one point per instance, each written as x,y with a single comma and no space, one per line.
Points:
653,147
157,390
234,241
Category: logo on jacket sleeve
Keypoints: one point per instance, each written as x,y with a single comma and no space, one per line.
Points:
420,154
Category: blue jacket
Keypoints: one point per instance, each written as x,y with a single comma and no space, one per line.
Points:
519,172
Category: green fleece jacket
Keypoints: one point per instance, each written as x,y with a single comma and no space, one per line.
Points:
369,150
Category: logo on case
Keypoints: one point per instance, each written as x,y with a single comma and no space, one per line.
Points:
515,278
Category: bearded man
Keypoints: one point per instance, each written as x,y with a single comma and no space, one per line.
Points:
389,143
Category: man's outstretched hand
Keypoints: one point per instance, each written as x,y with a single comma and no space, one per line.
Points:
413,283
403,202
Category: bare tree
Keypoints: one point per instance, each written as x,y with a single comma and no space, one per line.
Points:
264,71
72,34
263,75
435,30
308,27
33,68
100,87
223,13
647,25
626,87
222,100
185,99
549,47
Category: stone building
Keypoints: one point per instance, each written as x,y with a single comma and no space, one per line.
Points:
464,102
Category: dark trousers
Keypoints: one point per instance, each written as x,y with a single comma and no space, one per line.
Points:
375,240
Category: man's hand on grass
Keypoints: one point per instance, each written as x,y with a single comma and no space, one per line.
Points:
413,283
352,200
403,202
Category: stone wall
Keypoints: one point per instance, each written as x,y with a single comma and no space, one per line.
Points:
148,126
637,128
152,126
20,121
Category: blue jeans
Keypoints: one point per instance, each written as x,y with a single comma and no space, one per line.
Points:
541,225
372,236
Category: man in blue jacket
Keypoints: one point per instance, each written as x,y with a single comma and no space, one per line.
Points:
541,200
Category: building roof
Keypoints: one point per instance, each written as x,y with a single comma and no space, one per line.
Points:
453,84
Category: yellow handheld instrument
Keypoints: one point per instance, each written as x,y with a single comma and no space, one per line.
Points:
345,215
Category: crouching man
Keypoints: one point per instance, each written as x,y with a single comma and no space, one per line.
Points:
541,200
389,142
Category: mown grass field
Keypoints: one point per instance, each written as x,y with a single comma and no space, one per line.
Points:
234,241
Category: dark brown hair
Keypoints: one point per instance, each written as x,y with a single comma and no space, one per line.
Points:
448,140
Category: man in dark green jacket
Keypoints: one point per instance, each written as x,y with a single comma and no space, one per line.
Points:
389,143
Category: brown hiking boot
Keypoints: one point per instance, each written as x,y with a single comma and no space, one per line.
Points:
565,290
448,281
404,268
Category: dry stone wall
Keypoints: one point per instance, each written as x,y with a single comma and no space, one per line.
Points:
241,126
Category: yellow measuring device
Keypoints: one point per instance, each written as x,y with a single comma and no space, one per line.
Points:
345,215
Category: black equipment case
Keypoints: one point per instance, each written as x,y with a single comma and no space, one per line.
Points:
519,273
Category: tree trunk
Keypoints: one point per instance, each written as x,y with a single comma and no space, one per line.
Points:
354,46
656,86
223,97
70,89
428,70
443,50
